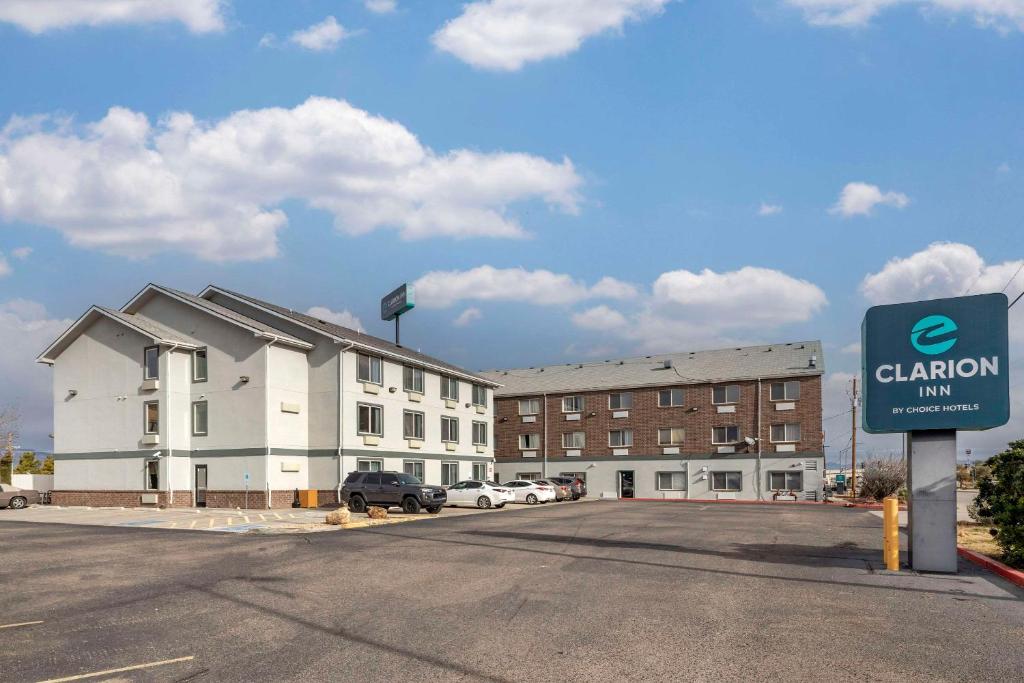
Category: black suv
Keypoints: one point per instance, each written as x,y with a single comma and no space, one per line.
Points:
390,489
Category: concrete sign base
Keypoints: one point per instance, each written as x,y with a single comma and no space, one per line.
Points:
931,485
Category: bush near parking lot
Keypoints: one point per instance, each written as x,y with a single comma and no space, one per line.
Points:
883,478
1001,500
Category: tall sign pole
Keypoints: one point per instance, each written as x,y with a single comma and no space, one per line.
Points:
394,305
853,440
931,368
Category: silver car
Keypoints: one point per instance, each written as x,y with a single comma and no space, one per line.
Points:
15,498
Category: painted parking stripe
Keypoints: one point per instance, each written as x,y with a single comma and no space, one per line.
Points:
24,623
135,667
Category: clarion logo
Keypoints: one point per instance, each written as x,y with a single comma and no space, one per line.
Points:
925,332
938,369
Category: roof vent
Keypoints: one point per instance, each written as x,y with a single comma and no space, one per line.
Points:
667,364
814,360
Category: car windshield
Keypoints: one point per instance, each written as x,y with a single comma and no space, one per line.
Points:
408,479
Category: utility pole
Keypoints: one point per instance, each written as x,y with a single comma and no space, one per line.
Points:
853,439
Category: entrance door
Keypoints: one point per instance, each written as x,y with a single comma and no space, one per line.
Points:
200,486
625,483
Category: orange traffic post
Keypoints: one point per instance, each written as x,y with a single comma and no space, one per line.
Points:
891,527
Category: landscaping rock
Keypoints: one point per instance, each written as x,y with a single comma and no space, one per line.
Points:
377,512
339,516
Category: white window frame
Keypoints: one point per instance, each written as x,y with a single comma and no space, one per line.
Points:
582,442
620,394
422,424
531,402
195,420
422,465
787,436
371,363
523,446
726,474
522,476
359,414
671,392
477,425
145,417
671,439
726,388
195,365
409,376
479,395
786,386
447,382
445,472
151,462
369,462
480,475
626,443
573,404
786,474
671,487
145,362
739,434
447,419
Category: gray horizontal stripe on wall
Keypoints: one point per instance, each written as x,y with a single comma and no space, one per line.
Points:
659,456
413,455
260,452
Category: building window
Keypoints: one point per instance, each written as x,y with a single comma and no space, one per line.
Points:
200,421
528,476
449,429
368,369
730,434
726,481
152,475
480,471
529,442
529,406
574,440
668,398
151,362
199,373
151,411
725,394
620,401
620,438
572,404
785,391
786,433
479,395
412,425
369,465
670,436
786,481
449,473
412,379
449,388
671,481
479,433
413,467
370,419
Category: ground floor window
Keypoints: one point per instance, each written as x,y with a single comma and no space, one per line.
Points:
786,481
449,473
369,465
529,476
726,481
480,471
413,467
671,481
152,475
574,475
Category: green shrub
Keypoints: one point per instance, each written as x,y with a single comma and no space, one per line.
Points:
1001,499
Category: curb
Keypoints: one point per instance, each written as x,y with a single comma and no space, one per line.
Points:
722,502
1012,575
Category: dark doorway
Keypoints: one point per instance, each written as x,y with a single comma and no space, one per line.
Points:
625,483
200,486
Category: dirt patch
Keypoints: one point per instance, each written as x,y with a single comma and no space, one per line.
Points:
976,537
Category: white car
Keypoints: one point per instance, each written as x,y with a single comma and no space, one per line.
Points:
530,492
480,494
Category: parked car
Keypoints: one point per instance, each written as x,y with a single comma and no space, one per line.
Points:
391,489
15,498
578,488
479,494
507,494
530,492
562,491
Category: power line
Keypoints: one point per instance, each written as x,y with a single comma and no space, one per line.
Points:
1015,301
1013,278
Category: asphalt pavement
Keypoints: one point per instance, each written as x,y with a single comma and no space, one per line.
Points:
637,591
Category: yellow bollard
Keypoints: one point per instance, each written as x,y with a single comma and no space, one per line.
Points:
891,527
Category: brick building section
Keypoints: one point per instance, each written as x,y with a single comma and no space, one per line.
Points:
182,499
646,417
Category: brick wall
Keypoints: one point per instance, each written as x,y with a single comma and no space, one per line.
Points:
117,498
646,417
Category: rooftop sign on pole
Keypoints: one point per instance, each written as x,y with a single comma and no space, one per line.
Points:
395,304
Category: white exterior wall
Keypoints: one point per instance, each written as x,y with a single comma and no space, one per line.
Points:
287,389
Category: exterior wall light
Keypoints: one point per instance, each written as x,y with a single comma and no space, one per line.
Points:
72,392
244,379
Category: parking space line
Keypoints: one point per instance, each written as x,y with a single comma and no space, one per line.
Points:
193,524
246,518
24,623
276,515
135,667
211,523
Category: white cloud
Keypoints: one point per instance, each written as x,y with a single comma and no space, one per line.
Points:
769,209
599,318
21,253
320,37
1003,167
344,318
852,348
381,6
1003,15
612,288
860,199
468,316
213,189
5,266
38,16
506,34
440,289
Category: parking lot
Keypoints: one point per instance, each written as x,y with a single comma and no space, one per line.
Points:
643,591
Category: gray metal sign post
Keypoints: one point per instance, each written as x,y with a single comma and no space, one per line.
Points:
396,303
931,368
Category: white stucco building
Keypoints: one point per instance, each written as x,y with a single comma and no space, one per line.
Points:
223,400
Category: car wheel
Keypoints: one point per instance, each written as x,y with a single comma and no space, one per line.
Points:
17,503
434,509
357,504
410,505
483,502
531,499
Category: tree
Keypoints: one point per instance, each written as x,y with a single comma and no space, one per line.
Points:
964,476
883,478
1001,499
8,432
47,466
27,464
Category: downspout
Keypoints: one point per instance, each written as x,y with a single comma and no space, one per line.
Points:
266,418
341,415
757,469
170,451
545,436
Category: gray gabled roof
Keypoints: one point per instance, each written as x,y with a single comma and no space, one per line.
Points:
349,335
140,324
691,367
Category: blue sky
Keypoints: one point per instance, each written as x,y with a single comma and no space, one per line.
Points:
615,178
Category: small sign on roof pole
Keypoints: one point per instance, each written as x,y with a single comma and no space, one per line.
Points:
395,304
